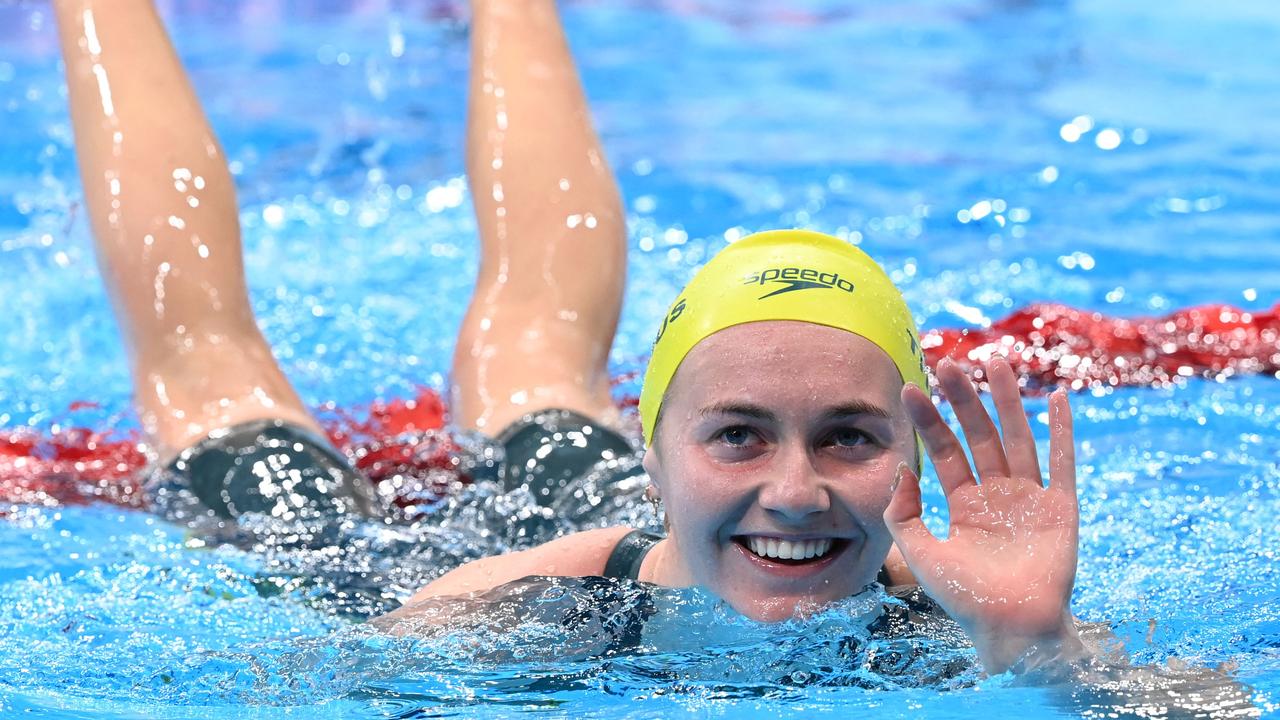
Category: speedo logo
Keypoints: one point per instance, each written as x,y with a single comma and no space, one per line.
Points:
676,311
792,279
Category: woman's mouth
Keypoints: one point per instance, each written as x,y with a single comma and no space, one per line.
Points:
785,551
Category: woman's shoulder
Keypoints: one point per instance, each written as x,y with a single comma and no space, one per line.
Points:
579,554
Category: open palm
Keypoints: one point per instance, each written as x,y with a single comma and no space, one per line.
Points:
1007,568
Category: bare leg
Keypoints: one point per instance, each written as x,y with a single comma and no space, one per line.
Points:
164,219
553,240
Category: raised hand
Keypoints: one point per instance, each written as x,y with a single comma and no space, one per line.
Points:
1008,565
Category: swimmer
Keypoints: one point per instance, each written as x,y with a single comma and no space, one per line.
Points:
784,408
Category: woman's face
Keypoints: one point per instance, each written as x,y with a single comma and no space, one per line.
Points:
775,457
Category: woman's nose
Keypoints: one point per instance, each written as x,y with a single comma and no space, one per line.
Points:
794,489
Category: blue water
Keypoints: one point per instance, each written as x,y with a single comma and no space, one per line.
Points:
991,154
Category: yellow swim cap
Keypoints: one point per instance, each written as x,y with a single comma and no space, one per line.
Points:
783,275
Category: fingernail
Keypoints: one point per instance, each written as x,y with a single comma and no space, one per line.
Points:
897,477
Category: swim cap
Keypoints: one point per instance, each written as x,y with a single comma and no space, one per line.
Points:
783,275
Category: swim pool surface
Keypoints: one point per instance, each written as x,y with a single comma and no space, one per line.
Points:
990,154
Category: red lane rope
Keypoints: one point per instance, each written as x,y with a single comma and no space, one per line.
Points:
402,442
398,441
1059,346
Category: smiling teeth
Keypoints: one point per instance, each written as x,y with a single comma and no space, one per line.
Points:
788,549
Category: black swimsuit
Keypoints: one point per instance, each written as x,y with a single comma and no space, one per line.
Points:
628,555
278,468
271,467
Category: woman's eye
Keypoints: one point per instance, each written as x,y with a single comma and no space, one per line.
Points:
848,437
737,436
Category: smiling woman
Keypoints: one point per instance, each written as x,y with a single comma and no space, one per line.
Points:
786,339
776,434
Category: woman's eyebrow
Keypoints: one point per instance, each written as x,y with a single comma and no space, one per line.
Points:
745,409
848,410
855,409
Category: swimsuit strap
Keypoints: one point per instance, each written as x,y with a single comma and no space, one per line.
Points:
625,560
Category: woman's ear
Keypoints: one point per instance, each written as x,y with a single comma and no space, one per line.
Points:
652,464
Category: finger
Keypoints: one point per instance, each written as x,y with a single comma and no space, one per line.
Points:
942,445
979,430
1019,443
1062,444
902,518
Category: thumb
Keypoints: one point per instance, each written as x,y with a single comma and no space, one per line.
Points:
902,518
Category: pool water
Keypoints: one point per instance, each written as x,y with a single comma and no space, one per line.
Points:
990,154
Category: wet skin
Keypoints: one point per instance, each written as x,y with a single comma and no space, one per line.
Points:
780,431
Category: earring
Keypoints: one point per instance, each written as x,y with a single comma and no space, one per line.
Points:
654,499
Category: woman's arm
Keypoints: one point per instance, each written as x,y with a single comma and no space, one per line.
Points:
577,555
